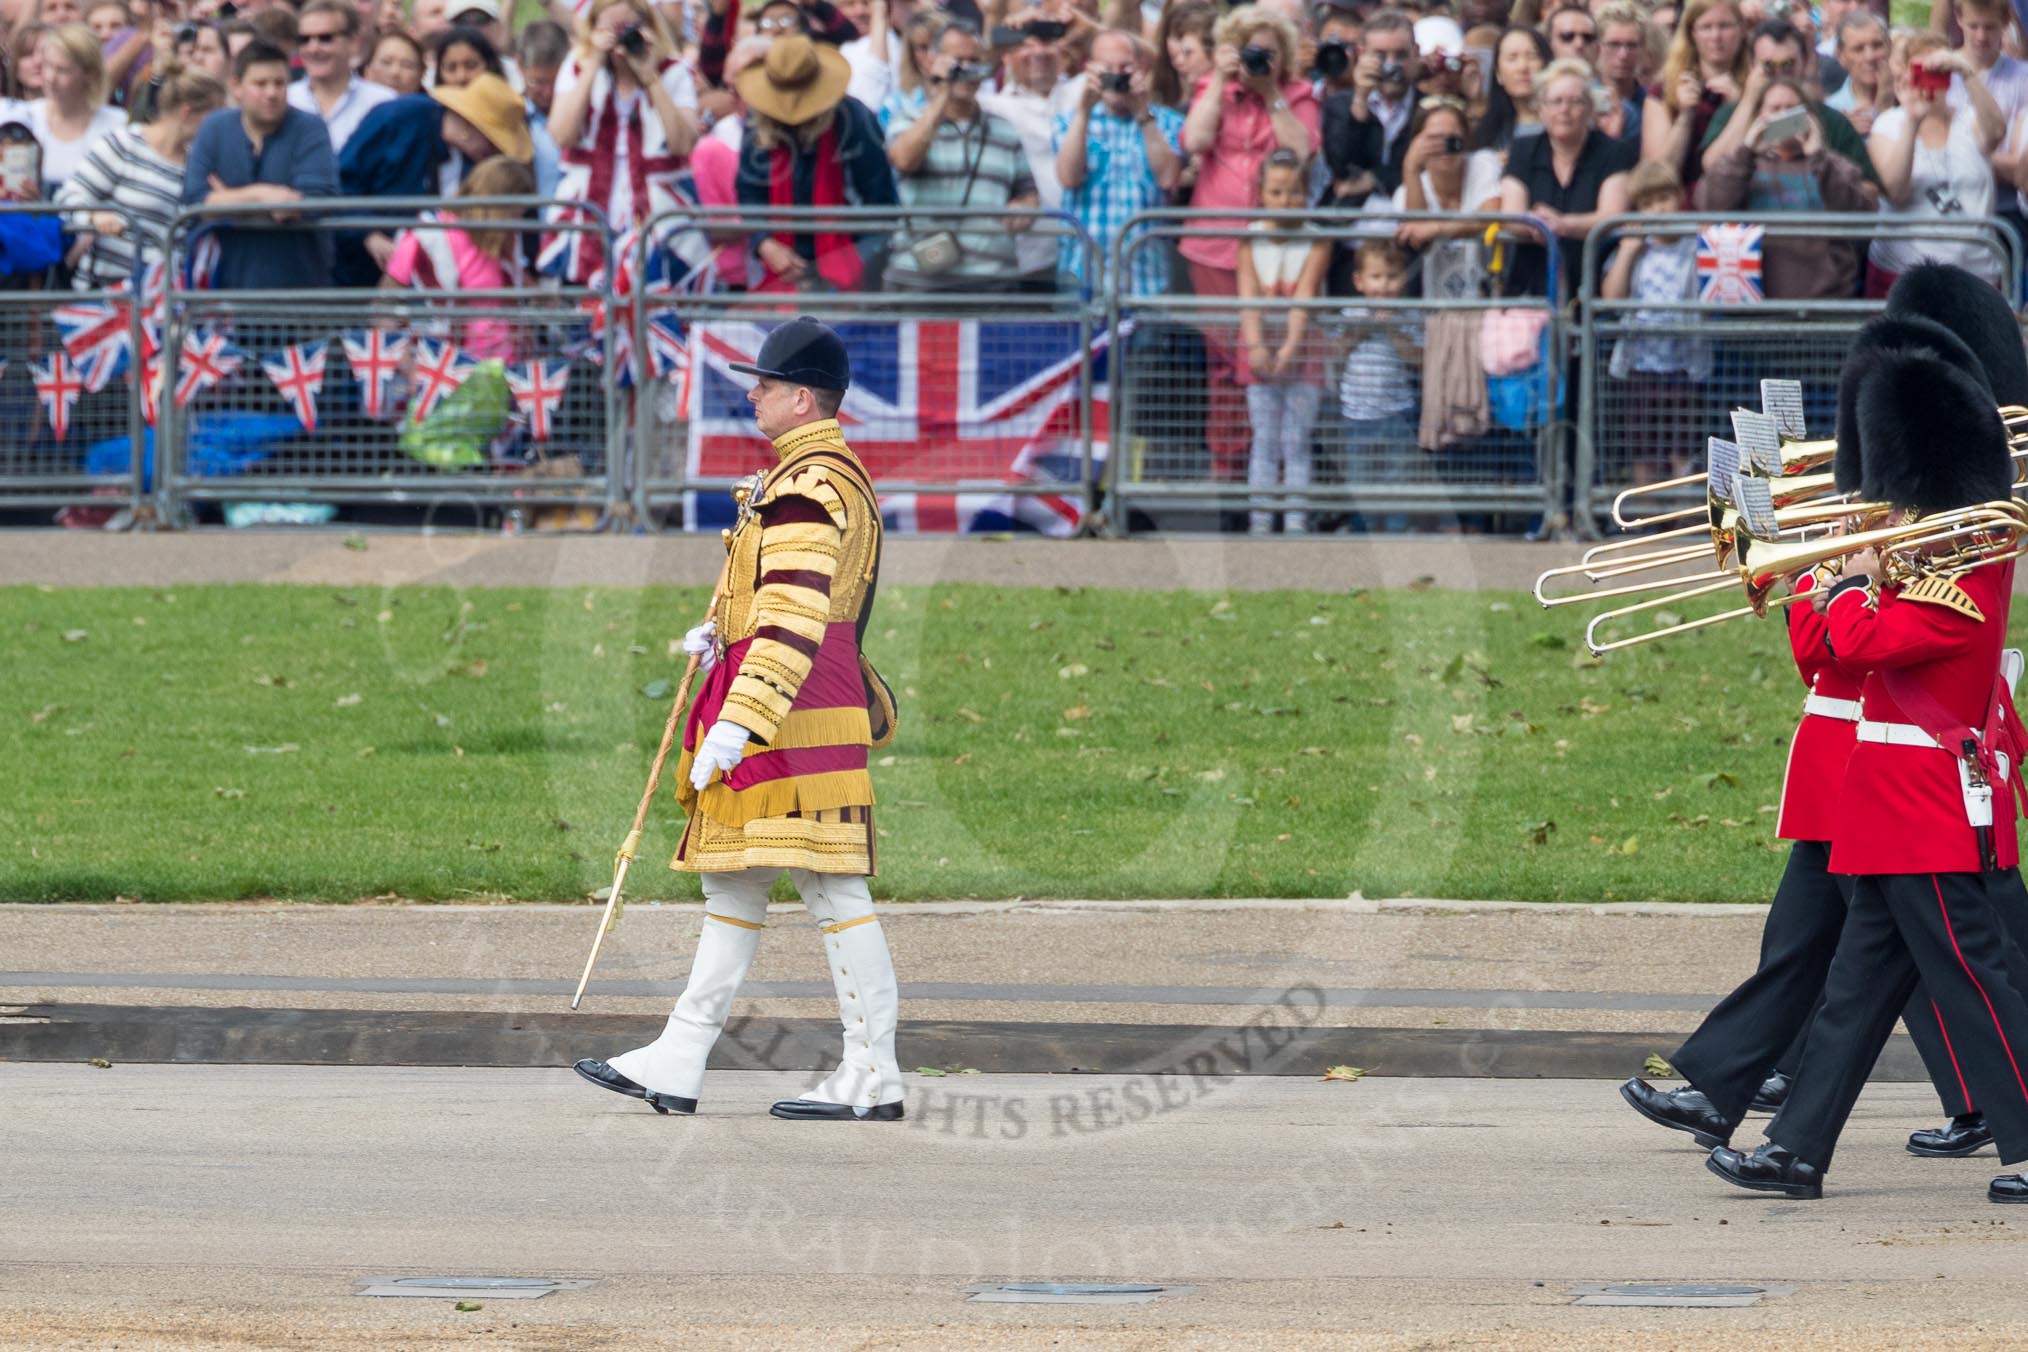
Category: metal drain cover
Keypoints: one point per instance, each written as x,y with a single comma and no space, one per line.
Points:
1681,1295
459,1288
1072,1293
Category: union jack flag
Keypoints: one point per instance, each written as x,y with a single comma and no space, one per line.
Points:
298,372
439,369
1728,264
97,335
932,402
538,388
375,357
206,361
57,385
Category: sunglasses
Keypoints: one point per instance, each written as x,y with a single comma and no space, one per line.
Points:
313,39
787,23
1582,36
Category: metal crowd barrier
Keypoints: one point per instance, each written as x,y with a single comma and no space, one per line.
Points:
75,434
1415,408
1657,380
433,393
971,399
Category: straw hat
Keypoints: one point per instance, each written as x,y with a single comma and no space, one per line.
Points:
490,104
798,80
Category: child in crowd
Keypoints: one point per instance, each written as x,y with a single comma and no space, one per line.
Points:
458,258
1377,391
1661,371
1280,376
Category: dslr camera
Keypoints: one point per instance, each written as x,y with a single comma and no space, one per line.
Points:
1333,60
1257,60
1115,82
968,72
632,41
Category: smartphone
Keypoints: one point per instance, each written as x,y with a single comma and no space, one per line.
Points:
1483,58
1930,81
20,169
1786,126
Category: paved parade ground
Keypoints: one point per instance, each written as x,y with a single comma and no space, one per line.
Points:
240,1206
1470,1190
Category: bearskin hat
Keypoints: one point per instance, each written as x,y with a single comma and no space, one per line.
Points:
1976,312
1918,425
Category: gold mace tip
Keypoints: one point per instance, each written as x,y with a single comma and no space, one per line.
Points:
725,535
739,495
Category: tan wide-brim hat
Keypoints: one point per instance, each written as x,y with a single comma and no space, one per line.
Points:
796,81
490,104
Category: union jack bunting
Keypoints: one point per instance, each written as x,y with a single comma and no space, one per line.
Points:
1728,264
57,385
439,369
205,362
375,357
96,335
931,402
538,388
298,372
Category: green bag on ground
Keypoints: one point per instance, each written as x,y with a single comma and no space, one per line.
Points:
460,429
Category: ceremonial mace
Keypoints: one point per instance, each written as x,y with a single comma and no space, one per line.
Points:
625,858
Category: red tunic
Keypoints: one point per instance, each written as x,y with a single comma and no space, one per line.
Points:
1823,741
1902,809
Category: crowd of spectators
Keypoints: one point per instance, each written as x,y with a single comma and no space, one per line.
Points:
622,110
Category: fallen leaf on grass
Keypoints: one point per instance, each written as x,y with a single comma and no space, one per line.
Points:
970,715
347,701
229,793
467,1306
474,669
1719,779
1334,1225
76,635
278,682
1078,712
284,749
1343,1073
1073,671
1655,1065
42,715
1539,832
658,689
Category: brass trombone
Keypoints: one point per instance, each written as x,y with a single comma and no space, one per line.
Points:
1945,543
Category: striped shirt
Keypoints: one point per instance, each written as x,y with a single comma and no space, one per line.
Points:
976,164
121,171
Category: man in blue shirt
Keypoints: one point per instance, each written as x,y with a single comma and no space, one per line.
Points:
1116,155
264,154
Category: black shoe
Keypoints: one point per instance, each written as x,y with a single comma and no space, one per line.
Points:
1768,1169
1682,1109
809,1110
1772,1094
605,1077
1967,1134
2008,1188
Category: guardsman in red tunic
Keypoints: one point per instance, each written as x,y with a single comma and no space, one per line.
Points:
1917,830
1726,1061
773,771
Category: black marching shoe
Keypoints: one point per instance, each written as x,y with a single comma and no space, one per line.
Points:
605,1077
1683,1109
1966,1134
2008,1188
1767,1169
1772,1094
809,1110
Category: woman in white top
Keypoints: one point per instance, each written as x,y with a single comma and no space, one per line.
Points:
1933,162
1438,174
1281,373
72,113
624,117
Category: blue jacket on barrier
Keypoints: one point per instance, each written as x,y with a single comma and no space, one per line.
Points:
398,151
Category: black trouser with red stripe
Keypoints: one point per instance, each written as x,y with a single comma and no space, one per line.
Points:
1942,930
1763,1024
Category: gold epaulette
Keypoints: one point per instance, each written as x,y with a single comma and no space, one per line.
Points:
815,481
1940,589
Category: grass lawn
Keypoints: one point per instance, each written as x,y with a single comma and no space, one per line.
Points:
306,742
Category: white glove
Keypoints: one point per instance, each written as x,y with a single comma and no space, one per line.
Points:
702,644
721,750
